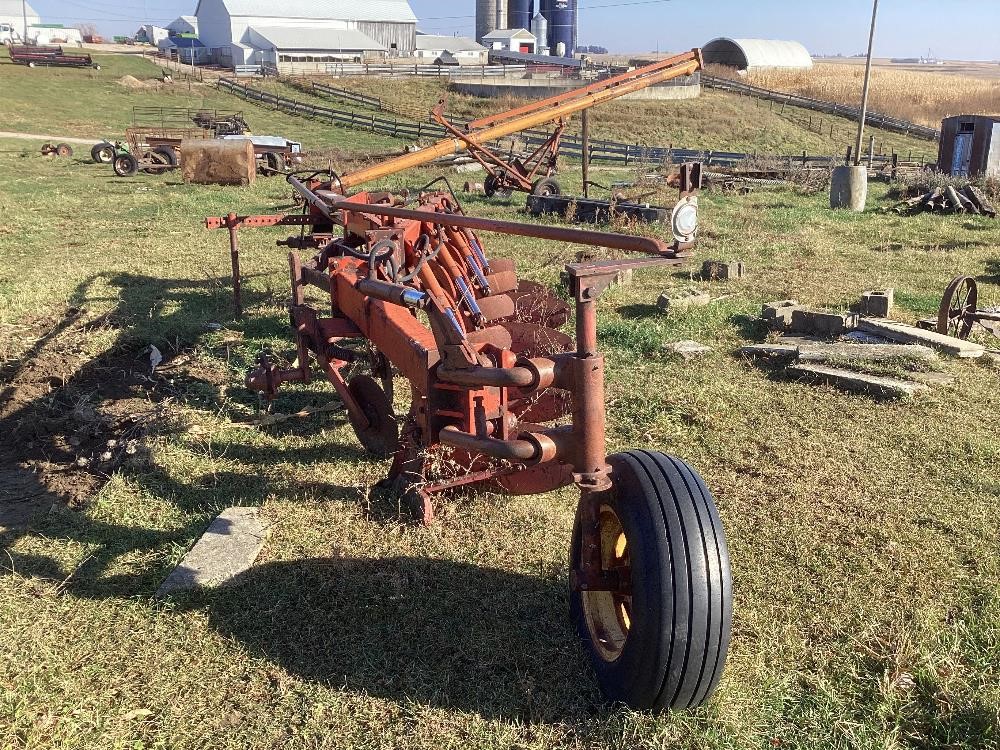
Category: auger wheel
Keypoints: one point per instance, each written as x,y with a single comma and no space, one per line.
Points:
957,313
659,640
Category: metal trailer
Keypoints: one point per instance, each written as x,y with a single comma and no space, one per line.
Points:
152,149
36,56
275,155
413,291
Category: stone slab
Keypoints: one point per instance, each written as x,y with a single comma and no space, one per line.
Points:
901,332
841,352
688,349
769,350
668,302
228,548
857,382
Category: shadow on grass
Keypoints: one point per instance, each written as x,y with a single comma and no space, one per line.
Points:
443,633
640,312
991,274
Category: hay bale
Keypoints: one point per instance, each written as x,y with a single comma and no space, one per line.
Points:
218,162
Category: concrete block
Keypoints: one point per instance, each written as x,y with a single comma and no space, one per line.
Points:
877,304
894,331
778,315
823,322
857,382
670,302
624,277
227,548
473,167
722,270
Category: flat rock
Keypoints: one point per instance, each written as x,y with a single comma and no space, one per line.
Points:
841,352
668,302
688,349
857,382
227,548
890,329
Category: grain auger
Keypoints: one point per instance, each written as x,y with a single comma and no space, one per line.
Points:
502,400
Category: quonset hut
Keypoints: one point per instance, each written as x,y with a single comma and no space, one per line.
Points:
757,54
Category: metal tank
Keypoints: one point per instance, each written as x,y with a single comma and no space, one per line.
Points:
562,22
490,16
540,28
519,13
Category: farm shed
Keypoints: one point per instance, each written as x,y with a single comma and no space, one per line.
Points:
754,54
511,40
970,146
247,32
12,14
462,49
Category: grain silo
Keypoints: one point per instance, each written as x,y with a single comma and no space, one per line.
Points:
519,14
540,28
490,16
562,22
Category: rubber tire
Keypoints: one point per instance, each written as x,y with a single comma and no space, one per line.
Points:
274,162
100,149
31,64
169,152
97,67
678,641
546,186
491,188
381,437
125,165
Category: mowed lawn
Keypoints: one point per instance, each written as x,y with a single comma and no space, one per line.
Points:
864,536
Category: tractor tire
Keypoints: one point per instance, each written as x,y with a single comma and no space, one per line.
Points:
546,186
125,165
380,437
96,66
31,64
103,153
64,150
274,163
169,153
158,161
662,644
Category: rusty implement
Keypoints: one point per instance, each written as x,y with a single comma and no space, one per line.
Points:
501,400
959,312
532,174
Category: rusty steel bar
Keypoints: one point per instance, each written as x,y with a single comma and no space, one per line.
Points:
234,256
539,114
627,242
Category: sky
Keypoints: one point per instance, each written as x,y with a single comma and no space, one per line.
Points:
955,29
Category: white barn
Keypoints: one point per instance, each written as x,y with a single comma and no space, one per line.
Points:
511,40
252,32
183,25
12,16
461,49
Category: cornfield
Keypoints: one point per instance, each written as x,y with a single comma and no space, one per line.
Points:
925,98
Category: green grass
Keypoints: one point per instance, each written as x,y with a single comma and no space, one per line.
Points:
863,534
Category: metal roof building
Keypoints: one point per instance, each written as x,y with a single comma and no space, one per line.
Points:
750,54
242,32
12,13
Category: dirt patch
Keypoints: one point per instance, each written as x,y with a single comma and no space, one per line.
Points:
132,83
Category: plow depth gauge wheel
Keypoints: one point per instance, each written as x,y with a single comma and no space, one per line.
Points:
958,306
660,640
380,437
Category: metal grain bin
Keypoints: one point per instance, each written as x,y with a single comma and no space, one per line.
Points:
970,146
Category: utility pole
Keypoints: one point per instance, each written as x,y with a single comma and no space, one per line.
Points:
24,15
864,92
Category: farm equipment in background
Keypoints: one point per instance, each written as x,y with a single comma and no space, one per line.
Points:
153,142
413,291
959,312
534,173
34,56
62,150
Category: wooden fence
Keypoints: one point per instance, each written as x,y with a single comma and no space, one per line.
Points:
601,151
892,124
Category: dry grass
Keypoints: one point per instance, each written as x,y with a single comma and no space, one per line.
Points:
921,97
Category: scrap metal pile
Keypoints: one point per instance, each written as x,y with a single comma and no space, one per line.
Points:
504,401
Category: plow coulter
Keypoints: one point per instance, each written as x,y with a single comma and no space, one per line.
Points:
504,401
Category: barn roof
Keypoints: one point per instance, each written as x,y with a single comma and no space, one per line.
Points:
756,53
309,38
398,11
450,43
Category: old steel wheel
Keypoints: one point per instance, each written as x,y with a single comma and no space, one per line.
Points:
659,639
380,437
494,186
958,307
125,165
